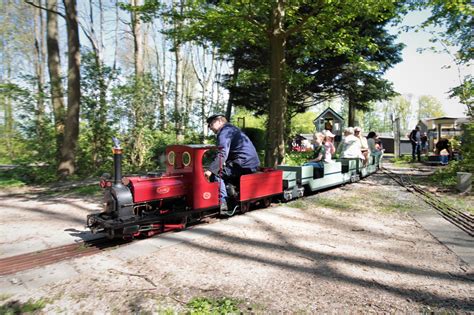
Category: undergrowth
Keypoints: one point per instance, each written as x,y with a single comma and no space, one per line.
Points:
11,183
204,305
16,307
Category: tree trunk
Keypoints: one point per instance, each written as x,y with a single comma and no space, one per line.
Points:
178,106
275,147
235,74
137,147
39,69
352,112
137,40
54,67
67,165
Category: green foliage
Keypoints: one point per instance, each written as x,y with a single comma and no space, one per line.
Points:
467,148
16,307
203,305
249,118
429,107
446,177
297,158
97,123
257,136
303,123
10,182
458,18
400,107
30,174
161,139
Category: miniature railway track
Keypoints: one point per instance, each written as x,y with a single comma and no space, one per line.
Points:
14,264
22,262
463,220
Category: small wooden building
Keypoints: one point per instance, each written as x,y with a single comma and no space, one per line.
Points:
441,127
330,120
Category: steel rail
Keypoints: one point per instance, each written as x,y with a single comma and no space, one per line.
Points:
462,220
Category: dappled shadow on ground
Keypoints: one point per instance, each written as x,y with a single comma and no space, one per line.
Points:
322,266
56,214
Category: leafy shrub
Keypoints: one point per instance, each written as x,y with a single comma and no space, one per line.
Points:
257,136
30,174
204,305
16,307
298,158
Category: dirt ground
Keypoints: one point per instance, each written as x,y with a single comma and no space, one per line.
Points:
351,249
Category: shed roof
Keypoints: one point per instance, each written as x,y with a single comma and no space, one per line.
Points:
326,111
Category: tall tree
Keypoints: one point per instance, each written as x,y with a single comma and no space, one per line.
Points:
457,16
54,69
429,106
67,165
178,8
203,69
400,107
40,52
270,25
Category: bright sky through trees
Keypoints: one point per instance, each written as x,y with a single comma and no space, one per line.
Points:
424,73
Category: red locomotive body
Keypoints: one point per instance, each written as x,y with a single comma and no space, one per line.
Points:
187,161
154,203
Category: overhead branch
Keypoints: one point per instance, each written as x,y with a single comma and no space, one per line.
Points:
298,27
46,9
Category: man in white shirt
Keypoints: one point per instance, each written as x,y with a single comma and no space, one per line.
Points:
350,147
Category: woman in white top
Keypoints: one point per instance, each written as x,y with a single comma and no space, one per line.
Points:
329,146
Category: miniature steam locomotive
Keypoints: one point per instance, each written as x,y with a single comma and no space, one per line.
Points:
158,202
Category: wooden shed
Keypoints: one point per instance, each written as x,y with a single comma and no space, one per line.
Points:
330,120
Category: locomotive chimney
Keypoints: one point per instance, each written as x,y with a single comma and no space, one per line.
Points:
117,162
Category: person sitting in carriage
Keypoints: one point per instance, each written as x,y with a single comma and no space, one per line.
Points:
237,154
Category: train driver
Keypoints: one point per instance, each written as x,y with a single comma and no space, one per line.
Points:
236,153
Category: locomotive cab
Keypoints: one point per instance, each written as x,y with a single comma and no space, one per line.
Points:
186,161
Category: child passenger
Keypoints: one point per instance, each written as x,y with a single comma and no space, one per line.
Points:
328,146
318,153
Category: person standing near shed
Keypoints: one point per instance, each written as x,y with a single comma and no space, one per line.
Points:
415,139
236,153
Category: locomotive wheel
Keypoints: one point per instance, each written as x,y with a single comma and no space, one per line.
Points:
185,221
266,202
110,234
244,207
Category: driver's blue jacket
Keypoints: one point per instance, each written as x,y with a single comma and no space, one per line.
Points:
235,149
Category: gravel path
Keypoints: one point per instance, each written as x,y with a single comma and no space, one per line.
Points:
350,249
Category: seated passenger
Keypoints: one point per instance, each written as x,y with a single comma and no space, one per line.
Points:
350,146
374,147
364,147
237,155
319,151
329,146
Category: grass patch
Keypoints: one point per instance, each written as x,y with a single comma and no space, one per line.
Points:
363,200
11,183
343,204
462,203
445,177
4,296
298,204
203,305
16,307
